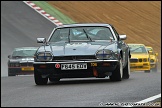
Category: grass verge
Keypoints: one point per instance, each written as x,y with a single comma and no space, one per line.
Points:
54,12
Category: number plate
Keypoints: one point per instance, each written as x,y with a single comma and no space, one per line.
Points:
73,66
27,69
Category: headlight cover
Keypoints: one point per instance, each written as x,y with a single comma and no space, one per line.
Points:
145,60
14,64
152,60
44,56
104,54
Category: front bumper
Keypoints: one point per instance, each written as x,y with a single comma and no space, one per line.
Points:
20,70
153,65
140,66
49,69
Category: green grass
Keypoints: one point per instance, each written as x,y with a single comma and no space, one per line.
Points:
54,12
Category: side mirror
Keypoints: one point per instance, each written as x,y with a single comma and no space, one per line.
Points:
9,56
41,40
123,37
156,54
150,52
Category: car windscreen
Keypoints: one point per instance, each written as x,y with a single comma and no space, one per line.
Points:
28,52
81,34
137,49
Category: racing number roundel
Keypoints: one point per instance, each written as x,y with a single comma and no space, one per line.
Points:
57,65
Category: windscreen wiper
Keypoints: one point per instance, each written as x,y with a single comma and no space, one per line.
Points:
69,35
87,35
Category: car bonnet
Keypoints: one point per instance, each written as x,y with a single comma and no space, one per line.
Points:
141,55
25,59
75,48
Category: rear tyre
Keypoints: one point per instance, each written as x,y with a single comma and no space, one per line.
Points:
117,73
38,78
126,70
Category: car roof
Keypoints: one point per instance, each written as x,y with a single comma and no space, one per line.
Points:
148,46
84,24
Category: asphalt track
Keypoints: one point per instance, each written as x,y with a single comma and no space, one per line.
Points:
21,91
20,26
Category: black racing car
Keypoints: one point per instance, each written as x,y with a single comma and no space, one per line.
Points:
21,61
82,50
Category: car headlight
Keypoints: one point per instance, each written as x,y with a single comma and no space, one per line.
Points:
44,56
152,60
145,60
14,65
104,54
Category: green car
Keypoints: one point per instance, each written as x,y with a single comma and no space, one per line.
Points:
21,60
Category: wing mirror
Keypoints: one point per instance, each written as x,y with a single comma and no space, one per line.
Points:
156,54
123,37
9,56
41,40
150,52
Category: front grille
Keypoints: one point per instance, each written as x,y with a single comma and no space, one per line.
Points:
23,64
73,58
30,64
133,60
26,64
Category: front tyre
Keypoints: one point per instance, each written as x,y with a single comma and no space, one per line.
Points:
10,74
147,71
118,72
38,78
126,70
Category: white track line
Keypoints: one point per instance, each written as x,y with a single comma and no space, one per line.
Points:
150,99
147,100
